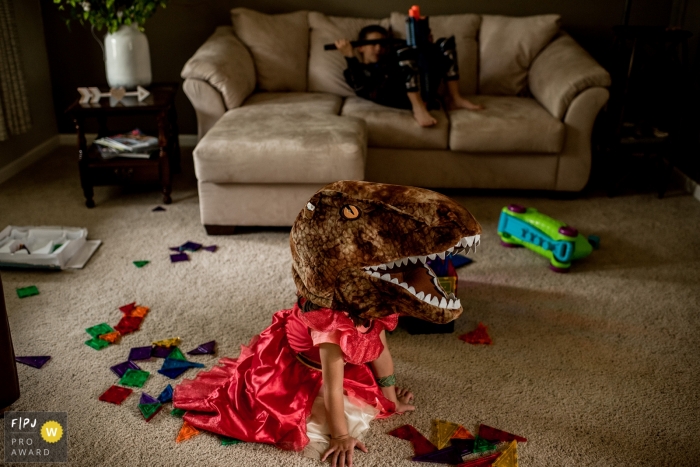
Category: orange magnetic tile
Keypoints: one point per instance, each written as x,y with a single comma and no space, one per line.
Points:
186,432
462,433
139,312
110,337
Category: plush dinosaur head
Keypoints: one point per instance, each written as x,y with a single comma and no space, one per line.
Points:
362,247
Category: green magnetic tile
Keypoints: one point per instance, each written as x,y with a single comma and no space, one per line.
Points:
97,344
482,445
134,378
140,264
176,354
27,291
98,330
178,412
226,441
148,410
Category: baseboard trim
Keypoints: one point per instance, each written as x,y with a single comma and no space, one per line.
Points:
30,157
70,139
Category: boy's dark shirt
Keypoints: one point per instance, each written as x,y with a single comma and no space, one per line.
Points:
380,82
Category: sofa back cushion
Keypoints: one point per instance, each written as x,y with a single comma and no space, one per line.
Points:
279,45
325,66
507,46
465,29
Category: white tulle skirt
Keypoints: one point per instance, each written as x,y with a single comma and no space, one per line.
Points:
357,414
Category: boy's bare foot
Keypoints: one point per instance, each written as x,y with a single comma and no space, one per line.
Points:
423,117
404,396
462,103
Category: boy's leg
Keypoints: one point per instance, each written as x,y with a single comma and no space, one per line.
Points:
407,64
448,51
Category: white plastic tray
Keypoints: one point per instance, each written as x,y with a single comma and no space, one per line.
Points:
46,247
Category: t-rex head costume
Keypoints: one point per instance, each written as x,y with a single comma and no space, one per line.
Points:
362,247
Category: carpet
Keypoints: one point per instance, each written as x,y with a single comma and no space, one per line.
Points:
597,367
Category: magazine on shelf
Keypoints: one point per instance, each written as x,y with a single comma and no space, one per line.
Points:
133,144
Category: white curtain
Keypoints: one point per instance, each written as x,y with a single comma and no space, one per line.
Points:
14,109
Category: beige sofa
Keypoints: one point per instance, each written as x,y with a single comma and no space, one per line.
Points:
276,120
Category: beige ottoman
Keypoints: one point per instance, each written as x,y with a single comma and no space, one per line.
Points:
259,164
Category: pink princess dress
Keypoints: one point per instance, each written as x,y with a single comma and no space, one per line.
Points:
272,393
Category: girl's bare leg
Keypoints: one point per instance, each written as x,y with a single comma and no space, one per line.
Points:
420,111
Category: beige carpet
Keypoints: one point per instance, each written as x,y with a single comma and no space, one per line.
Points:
599,367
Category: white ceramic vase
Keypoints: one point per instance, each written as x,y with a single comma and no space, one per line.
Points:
127,58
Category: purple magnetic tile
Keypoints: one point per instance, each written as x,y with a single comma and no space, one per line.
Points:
211,248
192,246
160,351
147,399
140,353
179,257
206,348
36,362
121,368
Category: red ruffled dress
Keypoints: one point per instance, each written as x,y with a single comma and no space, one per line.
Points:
266,394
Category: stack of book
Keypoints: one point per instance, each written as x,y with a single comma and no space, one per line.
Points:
134,144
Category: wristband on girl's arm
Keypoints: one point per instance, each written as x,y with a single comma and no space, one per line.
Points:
386,381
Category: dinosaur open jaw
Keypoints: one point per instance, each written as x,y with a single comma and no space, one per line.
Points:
415,275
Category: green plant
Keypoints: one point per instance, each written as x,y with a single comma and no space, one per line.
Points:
110,14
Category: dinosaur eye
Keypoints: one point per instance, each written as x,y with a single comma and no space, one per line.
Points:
350,212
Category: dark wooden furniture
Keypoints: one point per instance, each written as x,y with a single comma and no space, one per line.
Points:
9,388
96,171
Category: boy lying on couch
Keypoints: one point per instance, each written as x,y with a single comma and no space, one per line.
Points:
393,79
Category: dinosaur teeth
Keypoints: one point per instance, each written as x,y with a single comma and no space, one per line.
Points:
420,295
422,259
386,277
427,298
376,274
441,255
433,256
450,250
404,261
404,285
390,265
434,301
374,268
443,303
412,290
382,267
394,281
413,259
450,304
457,304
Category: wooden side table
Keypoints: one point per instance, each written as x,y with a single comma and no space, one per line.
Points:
96,171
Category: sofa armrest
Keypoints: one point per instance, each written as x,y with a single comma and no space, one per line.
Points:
226,64
561,71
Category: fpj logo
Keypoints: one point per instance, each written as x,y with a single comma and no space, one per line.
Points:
36,437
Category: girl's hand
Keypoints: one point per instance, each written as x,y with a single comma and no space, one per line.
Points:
342,450
404,396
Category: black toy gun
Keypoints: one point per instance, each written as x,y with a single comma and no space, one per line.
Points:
388,42
417,28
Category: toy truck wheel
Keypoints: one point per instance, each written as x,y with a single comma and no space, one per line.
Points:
568,231
516,208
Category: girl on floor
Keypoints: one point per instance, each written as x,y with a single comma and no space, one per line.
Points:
315,378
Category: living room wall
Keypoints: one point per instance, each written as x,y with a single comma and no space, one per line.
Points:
36,70
176,32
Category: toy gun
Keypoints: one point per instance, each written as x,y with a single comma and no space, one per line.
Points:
418,38
388,42
553,239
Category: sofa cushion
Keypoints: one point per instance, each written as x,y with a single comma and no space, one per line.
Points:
279,45
388,127
311,102
507,46
507,124
257,144
325,66
465,28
